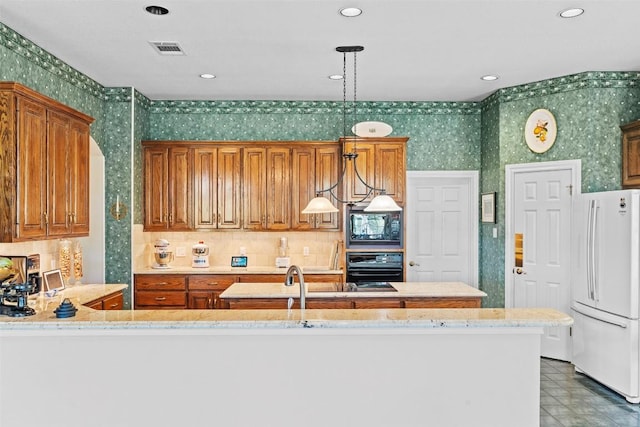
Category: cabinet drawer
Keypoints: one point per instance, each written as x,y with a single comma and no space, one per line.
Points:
113,302
217,282
166,282
161,299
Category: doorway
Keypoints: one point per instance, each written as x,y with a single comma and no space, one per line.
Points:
538,210
442,227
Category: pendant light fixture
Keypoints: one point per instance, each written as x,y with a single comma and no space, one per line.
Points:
381,202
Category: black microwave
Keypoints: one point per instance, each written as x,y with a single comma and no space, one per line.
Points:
374,229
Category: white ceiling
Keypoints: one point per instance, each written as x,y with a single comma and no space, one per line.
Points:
420,50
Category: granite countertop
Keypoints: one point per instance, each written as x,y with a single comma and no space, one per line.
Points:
325,290
89,319
232,270
80,294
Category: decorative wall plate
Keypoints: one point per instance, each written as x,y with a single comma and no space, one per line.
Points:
540,131
369,129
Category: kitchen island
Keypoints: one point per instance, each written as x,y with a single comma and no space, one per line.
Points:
395,367
338,295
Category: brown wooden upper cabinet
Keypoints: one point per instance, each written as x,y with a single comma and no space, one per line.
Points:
46,146
381,162
267,188
167,188
261,185
631,155
216,180
314,168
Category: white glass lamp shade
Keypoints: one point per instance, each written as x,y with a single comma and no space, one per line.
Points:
382,203
319,205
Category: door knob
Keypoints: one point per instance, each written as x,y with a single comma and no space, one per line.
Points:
518,270
411,263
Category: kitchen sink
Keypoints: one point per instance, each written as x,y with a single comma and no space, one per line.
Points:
349,287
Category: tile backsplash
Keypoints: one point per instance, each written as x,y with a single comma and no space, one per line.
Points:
261,247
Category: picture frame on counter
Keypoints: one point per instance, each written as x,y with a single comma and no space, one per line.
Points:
488,207
53,282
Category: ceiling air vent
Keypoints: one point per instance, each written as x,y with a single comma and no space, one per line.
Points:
167,48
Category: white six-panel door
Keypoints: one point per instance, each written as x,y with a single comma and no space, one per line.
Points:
540,207
441,227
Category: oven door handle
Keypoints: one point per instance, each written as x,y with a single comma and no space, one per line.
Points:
374,273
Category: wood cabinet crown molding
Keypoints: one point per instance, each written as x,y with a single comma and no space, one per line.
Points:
44,150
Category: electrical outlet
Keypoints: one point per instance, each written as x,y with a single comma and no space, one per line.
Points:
181,251
243,250
305,251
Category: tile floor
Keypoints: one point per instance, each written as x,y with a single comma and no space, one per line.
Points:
569,399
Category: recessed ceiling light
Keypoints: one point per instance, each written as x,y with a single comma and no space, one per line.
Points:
207,76
350,12
336,76
571,13
489,78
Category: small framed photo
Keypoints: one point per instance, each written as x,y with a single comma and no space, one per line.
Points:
489,207
53,282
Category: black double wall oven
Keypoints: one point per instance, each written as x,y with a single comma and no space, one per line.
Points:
374,241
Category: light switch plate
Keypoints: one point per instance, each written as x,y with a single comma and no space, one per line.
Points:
495,232
305,251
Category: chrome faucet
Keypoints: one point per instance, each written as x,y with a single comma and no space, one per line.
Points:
288,281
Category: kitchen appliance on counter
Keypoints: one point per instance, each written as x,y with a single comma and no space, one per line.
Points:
374,230
200,253
375,269
605,271
18,280
27,269
162,254
283,260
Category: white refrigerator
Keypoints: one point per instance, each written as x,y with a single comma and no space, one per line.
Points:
605,280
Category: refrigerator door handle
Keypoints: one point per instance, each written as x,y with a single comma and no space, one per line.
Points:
591,249
620,325
595,251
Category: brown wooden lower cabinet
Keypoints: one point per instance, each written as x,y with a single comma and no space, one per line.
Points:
202,291
360,303
160,291
113,301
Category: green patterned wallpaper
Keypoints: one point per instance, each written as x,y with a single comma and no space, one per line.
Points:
589,107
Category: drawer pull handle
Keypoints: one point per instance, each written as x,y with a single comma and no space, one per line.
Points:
161,283
114,305
212,283
161,298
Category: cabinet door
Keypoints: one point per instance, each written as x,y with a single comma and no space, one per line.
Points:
202,300
328,167
79,178
254,185
32,173
179,188
390,170
156,215
278,188
355,190
229,177
205,183
58,138
303,186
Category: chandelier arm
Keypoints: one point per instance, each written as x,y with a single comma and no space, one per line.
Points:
370,187
340,180
352,202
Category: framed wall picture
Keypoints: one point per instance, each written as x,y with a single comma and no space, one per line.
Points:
540,130
488,207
